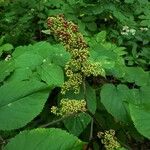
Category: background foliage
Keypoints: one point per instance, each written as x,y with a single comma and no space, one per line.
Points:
32,72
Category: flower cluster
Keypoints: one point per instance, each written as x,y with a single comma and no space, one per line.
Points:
143,29
66,32
126,31
109,140
79,66
8,57
69,106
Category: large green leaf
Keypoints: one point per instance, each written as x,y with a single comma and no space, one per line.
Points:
6,67
20,102
52,74
141,119
28,60
114,98
109,55
136,75
21,74
39,52
78,123
45,139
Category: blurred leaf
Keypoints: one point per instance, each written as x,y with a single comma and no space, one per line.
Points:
6,67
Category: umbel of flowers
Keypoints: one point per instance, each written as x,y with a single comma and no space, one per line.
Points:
109,140
69,106
78,66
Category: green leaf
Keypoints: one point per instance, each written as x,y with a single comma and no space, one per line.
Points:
101,37
92,26
20,102
114,98
137,75
143,1
77,124
110,57
21,74
2,40
28,59
145,19
44,139
6,67
129,1
46,32
5,48
141,119
41,51
52,74
59,56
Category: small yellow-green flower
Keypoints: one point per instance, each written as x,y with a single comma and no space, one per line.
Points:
69,106
109,140
78,66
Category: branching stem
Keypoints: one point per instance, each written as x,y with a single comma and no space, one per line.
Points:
57,121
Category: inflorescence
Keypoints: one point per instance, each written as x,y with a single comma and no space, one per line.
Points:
69,107
109,140
78,66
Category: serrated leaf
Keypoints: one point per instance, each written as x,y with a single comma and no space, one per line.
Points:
20,102
141,119
42,50
77,124
109,55
28,59
59,55
21,74
6,67
52,74
114,98
44,139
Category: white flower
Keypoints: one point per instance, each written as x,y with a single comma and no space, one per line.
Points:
125,28
124,33
144,29
132,31
8,57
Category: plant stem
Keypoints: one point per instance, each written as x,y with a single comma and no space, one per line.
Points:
94,119
91,131
57,121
